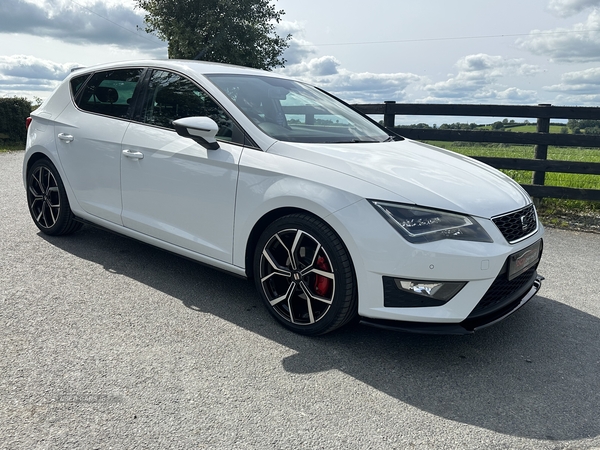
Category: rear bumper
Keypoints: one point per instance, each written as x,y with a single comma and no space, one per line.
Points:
470,324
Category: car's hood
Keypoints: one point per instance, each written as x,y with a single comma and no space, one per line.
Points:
422,174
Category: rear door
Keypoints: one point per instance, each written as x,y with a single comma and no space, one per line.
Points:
89,136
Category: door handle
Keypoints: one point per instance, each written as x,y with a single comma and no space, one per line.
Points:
65,137
133,155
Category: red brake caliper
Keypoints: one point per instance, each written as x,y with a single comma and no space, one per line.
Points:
322,283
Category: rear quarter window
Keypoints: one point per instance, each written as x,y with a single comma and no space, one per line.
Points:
77,83
109,93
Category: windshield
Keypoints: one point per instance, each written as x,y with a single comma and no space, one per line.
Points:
290,111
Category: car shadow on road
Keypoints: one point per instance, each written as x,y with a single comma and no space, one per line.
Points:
535,375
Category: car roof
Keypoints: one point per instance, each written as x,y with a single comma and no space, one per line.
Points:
181,65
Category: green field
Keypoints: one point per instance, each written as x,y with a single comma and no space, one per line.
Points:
531,128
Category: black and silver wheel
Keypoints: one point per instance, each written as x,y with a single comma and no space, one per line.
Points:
47,200
305,276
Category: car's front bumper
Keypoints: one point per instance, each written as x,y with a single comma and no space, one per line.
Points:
471,323
487,297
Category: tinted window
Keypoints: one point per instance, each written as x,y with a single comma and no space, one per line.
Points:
170,97
110,93
77,82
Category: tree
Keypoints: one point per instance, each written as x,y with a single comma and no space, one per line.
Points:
238,32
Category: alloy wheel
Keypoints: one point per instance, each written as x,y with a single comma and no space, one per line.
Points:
297,276
44,197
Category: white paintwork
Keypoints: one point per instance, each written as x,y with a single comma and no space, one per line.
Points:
420,173
180,192
153,185
92,160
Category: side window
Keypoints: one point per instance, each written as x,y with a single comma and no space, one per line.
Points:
77,82
110,93
170,97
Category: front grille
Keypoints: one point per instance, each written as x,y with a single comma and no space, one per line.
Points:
517,225
503,292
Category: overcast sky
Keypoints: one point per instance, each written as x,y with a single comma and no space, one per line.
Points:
433,51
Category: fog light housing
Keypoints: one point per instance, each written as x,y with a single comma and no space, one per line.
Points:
404,293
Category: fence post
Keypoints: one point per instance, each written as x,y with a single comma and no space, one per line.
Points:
541,150
389,118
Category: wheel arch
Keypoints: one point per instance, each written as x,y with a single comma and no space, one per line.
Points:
35,157
260,226
36,153
340,262
270,216
47,198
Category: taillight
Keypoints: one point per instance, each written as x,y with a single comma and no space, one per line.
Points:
27,123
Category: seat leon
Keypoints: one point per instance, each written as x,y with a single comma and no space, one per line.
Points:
334,217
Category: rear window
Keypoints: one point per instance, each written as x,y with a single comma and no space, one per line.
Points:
109,93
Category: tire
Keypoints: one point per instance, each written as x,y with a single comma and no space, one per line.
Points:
305,275
47,200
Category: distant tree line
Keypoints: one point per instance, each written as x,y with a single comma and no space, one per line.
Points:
584,126
445,126
573,126
499,125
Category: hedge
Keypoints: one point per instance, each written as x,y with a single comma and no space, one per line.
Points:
13,112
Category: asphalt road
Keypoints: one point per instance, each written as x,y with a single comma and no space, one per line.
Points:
110,343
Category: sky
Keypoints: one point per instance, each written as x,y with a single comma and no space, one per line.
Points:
428,51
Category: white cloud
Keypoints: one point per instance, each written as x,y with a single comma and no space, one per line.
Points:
299,49
567,8
581,43
577,100
510,95
478,79
21,73
313,68
585,82
370,87
96,22
29,67
326,72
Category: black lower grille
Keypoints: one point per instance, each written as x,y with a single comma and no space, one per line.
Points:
503,292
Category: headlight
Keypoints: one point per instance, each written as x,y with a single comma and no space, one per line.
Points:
419,225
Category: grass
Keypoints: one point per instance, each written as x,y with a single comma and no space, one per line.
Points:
11,147
533,128
572,180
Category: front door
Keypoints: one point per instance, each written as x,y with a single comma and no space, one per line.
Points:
174,189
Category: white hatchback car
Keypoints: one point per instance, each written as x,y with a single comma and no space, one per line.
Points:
332,215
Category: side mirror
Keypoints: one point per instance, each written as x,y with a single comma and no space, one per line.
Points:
201,129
